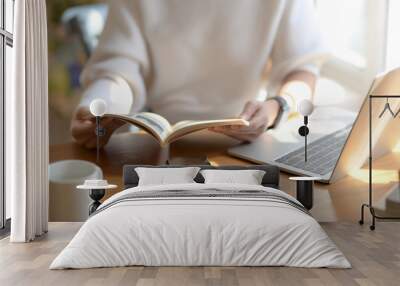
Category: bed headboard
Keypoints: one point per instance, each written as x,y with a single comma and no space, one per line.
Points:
271,177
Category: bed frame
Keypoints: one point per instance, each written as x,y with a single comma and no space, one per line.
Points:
270,179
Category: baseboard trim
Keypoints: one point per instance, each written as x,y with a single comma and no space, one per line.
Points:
5,231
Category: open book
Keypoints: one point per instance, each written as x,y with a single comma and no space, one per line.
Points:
164,132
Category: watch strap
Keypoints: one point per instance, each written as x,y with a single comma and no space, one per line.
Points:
283,111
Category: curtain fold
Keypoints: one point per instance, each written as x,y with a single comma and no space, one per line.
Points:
27,124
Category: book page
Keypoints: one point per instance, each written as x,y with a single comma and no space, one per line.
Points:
188,126
153,123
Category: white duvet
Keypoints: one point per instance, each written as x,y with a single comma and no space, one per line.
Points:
200,231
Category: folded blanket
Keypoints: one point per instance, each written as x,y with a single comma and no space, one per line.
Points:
204,193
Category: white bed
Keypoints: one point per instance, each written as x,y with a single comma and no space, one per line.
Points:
185,230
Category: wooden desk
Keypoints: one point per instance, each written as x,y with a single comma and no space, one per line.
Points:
335,202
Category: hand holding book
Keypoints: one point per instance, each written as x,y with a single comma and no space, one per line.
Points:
259,114
83,124
164,132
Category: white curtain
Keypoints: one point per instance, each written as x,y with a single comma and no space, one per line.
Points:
27,124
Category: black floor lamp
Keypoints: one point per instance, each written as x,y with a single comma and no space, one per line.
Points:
305,185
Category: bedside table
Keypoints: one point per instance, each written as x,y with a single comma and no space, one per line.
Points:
305,190
97,190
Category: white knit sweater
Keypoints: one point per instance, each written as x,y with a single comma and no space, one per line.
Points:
198,59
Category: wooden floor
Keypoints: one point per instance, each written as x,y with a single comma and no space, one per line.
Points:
375,257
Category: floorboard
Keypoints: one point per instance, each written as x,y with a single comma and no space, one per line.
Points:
375,257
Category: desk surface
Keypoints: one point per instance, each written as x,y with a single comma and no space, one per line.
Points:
334,202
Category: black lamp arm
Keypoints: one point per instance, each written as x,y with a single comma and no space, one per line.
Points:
100,131
303,131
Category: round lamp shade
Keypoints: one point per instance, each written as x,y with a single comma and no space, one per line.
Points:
305,107
98,107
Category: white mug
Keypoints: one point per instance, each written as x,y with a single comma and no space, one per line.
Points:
66,203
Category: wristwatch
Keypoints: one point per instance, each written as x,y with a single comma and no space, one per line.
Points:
284,110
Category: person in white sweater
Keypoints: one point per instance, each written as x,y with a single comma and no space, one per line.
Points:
202,59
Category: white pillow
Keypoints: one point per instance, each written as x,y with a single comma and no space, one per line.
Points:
163,176
248,177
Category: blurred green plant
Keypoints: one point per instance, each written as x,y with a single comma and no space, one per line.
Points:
55,8
66,58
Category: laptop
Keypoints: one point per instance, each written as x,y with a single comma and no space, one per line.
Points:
338,143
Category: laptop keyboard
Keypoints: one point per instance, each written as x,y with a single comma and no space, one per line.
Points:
322,153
